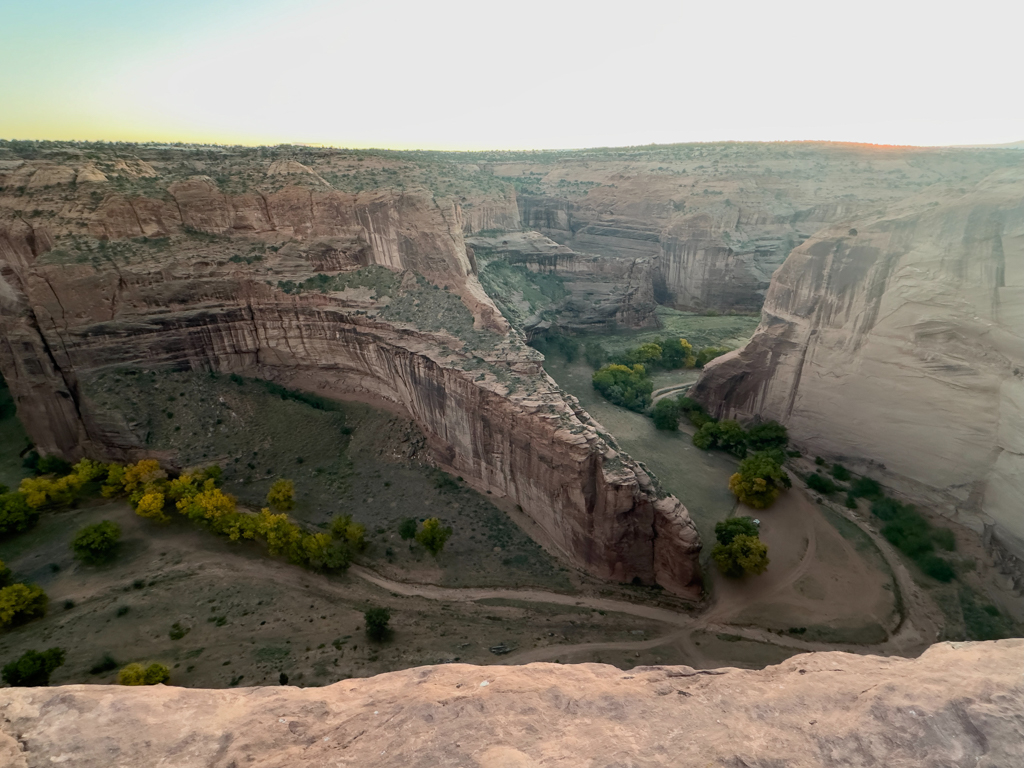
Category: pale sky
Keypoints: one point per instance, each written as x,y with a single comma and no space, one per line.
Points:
519,75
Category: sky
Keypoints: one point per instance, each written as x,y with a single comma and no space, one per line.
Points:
448,74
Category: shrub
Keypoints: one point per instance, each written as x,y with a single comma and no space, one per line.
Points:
666,414
841,473
49,493
744,554
771,434
377,620
936,567
759,481
97,543
819,461
851,501
407,528
106,664
677,353
20,603
694,411
707,354
151,505
727,435
866,488
282,495
820,483
595,354
6,578
433,536
944,539
727,530
33,668
629,387
16,516
136,674
53,465
345,529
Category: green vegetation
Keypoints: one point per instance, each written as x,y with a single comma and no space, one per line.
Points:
33,668
629,387
742,555
907,530
730,528
820,483
727,435
407,528
760,480
136,674
20,603
666,414
377,620
16,516
433,536
282,495
96,544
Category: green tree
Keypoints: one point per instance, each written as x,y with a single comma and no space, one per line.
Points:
727,530
345,529
759,481
136,674
707,354
33,668
627,386
21,602
282,495
771,434
97,543
666,414
433,536
377,620
744,554
407,528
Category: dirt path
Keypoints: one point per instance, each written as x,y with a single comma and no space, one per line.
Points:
915,629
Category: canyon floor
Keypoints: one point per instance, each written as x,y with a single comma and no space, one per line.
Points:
224,614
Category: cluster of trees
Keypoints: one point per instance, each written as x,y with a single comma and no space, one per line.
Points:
19,602
33,668
739,550
760,479
136,674
628,386
667,354
729,435
432,535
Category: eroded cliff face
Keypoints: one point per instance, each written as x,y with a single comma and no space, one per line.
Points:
956,705
371,295
896,343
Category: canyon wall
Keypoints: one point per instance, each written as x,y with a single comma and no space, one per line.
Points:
957,705
895,343
216,282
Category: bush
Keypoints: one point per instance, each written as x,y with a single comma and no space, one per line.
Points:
666,414
407,528
595,355
841,473
282,495
821,484
759,481
20,603
6,578
851,501
866,488
744,554
629,387
707,354
677,353
106,664
33,668
433,536
345,529
136,674
769,435
936,567
16,516
694,411
729,529
727,435
944,539
151,505
53,465
377,620
97,543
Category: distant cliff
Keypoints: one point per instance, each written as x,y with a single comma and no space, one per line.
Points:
896,343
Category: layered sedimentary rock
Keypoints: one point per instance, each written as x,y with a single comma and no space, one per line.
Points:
959,704
370,294
896,342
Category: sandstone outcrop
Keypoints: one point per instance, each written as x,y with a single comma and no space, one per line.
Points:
959,704
895,343
194,278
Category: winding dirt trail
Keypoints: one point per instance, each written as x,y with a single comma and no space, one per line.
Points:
914,629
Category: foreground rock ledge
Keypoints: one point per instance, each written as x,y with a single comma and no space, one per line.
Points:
959,704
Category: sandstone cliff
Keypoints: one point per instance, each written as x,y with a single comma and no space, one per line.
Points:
366,294
959,704
896,343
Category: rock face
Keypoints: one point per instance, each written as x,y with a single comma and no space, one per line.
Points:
896,343
395,311
958,705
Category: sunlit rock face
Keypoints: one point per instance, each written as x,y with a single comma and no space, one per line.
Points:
896,343
956,705
189,277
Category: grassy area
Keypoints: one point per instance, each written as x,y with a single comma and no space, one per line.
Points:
699,330
345,458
